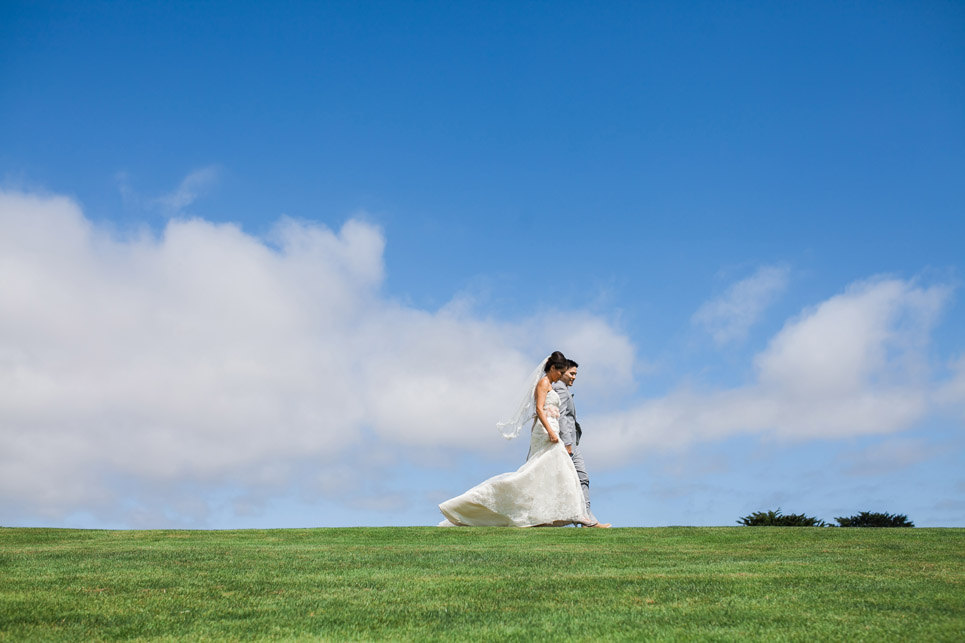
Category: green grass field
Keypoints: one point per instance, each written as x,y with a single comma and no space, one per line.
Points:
671,583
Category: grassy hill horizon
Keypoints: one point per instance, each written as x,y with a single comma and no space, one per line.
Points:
426,583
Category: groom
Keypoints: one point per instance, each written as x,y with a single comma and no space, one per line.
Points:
570,433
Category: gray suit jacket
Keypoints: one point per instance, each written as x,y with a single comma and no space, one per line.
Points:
570,432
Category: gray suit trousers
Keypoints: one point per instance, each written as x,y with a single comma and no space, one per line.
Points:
578,463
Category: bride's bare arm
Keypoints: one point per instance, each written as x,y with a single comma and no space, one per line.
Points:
542,388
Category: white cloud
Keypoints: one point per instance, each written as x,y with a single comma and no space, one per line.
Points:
208,356
194,185
730,317
888,456
135,374
854,365
951,394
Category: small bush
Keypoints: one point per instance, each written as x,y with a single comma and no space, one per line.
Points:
777,519
873,519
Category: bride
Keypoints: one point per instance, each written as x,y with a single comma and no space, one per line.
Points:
546,489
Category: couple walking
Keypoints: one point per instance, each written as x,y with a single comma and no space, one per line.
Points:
552,488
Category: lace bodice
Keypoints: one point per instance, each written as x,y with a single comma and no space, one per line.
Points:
551,407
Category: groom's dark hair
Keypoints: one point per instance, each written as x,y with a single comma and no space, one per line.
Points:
570,364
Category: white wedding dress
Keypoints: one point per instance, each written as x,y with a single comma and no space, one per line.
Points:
544,491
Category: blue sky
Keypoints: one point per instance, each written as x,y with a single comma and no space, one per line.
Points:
285,264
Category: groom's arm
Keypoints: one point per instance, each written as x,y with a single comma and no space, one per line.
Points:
567,420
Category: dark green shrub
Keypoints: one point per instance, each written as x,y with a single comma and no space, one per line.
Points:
777,519
872,519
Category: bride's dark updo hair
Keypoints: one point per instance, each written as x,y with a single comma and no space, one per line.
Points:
558,360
